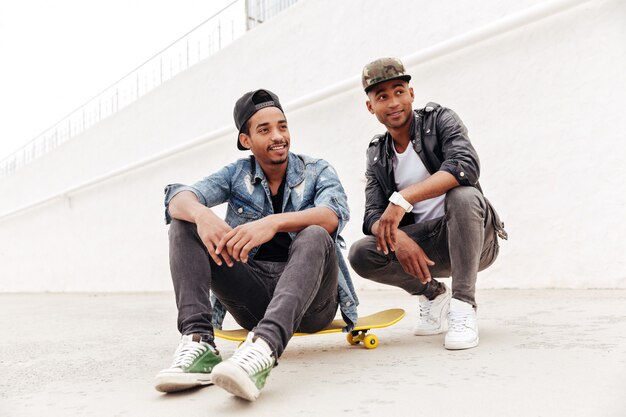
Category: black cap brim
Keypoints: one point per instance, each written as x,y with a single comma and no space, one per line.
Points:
405,77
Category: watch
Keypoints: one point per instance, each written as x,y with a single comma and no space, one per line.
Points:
397,199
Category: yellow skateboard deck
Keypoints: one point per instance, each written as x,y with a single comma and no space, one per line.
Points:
357,335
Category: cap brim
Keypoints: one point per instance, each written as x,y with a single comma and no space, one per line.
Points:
404,77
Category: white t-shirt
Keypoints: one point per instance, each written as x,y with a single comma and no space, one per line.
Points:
408,169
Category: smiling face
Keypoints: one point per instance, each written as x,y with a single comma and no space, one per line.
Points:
268,137
392,103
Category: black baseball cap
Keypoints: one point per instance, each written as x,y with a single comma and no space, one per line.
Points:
250,103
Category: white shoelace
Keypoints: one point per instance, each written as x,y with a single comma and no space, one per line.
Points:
425,311
187,352
252,358
457,321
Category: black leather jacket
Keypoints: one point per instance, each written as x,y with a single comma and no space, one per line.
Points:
440,139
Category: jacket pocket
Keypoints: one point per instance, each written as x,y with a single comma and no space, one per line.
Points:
244,208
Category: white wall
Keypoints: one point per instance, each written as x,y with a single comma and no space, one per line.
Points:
543,104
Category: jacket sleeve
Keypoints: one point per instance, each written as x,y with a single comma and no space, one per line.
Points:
460,157
330,193
375,198
210,191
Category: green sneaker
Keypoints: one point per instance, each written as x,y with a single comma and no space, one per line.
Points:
244,374
194,360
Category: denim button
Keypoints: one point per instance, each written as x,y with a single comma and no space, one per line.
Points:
240,210
462,174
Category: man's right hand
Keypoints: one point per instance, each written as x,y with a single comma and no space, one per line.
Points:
412,257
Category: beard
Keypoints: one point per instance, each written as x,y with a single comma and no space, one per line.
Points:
399,123
278,161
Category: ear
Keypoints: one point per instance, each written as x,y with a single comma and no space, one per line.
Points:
368,104
245,140
412,94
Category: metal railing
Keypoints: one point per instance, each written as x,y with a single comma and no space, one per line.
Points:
199,43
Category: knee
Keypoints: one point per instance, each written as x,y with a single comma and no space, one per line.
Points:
180,230
465,201
314,234
363,256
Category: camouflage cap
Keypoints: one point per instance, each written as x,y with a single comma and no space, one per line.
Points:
381,70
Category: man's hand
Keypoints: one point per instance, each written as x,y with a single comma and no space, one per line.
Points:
239,241
387,229
413,259
211,230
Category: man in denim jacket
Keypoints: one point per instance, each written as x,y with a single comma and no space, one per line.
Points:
424,207
274,263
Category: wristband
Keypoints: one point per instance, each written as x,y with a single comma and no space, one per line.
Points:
397,199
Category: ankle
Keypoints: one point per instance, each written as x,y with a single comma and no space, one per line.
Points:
432,293
262,341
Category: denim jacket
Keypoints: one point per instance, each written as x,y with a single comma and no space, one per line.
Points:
310,182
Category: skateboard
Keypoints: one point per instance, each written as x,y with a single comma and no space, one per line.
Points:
356,336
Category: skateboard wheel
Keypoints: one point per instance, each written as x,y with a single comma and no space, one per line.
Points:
371,341
351,340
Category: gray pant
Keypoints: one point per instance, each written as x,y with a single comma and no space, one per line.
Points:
274,299
461,243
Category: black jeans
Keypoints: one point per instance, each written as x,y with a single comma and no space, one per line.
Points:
461,243
273,299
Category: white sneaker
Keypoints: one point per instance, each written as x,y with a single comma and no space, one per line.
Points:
244,374
463,332
433,314
192,365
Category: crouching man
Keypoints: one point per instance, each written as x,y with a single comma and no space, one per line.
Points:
424,208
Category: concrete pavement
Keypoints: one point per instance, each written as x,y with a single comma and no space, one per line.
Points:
542,353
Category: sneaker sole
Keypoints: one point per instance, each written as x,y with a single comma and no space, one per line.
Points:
235,380
461,345
181,381
430,332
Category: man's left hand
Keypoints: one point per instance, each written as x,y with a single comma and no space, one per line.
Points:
388,228
242,239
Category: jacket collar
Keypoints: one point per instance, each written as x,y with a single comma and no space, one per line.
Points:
414,131
295,170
